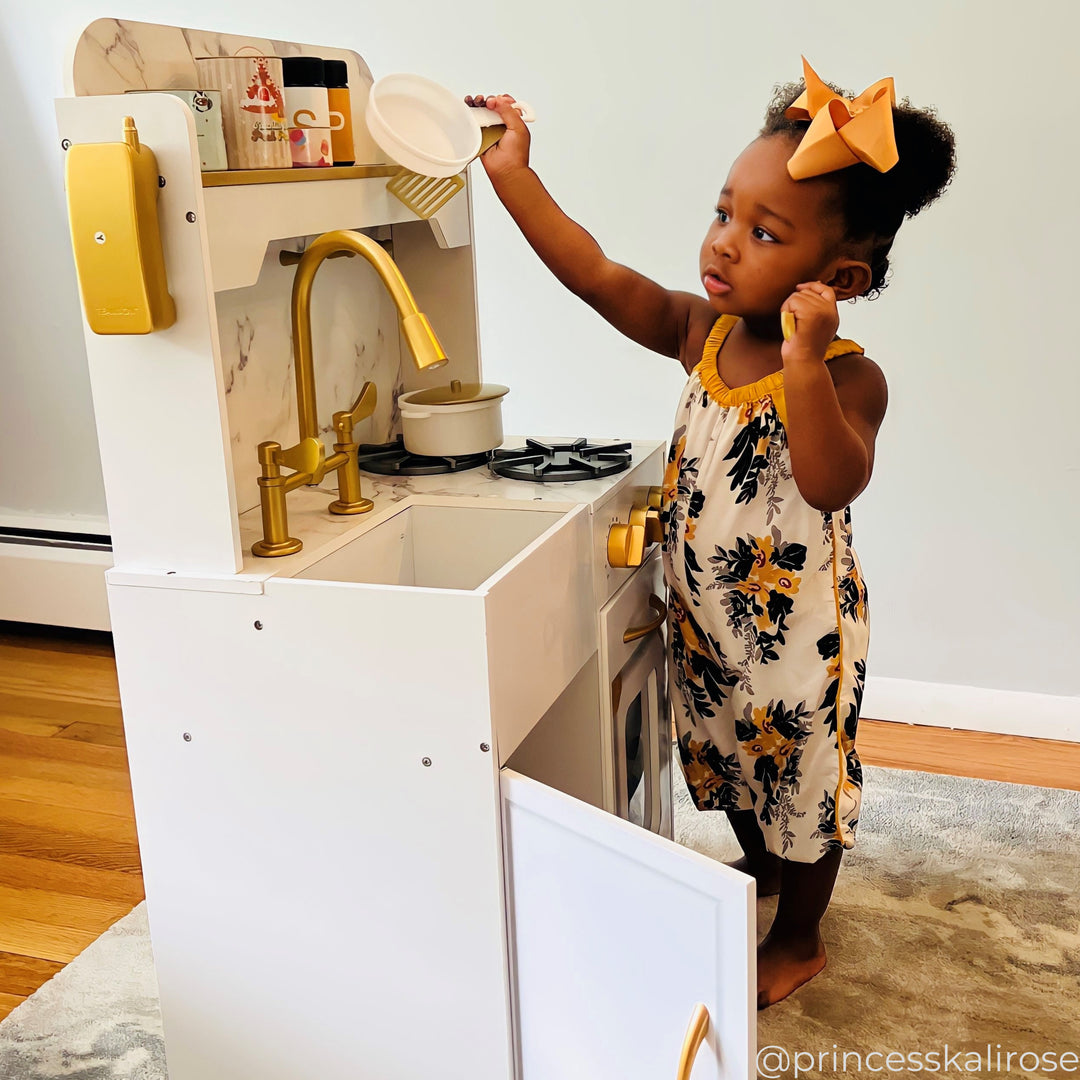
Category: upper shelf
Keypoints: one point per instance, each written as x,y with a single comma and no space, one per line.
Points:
293,176
246,210
242,219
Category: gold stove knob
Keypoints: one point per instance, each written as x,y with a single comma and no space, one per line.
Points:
627,543
654,529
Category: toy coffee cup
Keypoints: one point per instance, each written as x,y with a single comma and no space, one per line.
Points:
205,106
426,128
252,109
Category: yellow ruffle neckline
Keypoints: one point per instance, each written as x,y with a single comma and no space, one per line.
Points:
726,395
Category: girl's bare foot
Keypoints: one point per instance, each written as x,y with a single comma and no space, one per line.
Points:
767,878
784,964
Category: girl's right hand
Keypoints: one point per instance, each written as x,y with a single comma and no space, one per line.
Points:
512,150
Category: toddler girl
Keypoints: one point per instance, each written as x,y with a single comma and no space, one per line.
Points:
774,438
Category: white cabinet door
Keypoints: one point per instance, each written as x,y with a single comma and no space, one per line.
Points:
616,935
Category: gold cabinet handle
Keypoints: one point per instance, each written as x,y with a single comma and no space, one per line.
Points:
695,1036
634,632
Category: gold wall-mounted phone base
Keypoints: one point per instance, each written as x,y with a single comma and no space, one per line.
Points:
112,197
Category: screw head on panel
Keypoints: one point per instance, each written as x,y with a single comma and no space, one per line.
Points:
161,181
258,624
65,144
190,215
187,736
426,761
484,746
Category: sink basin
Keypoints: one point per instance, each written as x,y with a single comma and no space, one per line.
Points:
436,547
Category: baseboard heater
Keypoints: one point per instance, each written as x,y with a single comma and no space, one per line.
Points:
54,578
51,538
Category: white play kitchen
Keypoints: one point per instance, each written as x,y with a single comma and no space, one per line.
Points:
393,683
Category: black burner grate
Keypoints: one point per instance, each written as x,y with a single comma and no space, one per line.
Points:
552,463
392,459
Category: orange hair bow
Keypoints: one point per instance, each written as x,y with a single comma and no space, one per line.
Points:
843,131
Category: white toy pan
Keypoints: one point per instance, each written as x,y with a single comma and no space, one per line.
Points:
426,128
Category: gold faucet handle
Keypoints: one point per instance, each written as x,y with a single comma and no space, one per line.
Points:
307,457
362,408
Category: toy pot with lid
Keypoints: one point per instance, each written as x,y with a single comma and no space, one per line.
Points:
452,420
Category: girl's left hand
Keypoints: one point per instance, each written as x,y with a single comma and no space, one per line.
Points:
813,304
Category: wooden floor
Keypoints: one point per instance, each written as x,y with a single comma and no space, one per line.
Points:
69,858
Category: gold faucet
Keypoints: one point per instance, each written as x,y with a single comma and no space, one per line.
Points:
307,457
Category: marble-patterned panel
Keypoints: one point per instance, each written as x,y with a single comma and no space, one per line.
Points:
115,55
354,340
209,43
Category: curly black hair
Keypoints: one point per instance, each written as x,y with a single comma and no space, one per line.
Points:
874,204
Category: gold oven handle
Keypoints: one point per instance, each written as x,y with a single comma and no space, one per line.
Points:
634,632
695,1036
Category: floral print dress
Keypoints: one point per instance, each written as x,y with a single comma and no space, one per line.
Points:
767,618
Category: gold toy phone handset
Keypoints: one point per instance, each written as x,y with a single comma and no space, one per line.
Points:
787,324
112,193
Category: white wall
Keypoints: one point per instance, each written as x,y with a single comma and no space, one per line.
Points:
968,531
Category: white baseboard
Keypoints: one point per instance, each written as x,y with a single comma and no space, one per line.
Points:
973,708
61,523
55,586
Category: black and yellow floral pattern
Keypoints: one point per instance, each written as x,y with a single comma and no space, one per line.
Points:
768,619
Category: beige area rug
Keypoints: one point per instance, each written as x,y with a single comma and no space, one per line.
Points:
955,921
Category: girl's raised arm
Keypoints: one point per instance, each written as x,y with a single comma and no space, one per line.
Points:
635,305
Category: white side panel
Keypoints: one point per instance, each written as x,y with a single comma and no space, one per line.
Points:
545,616
159,399
322,904
616,935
